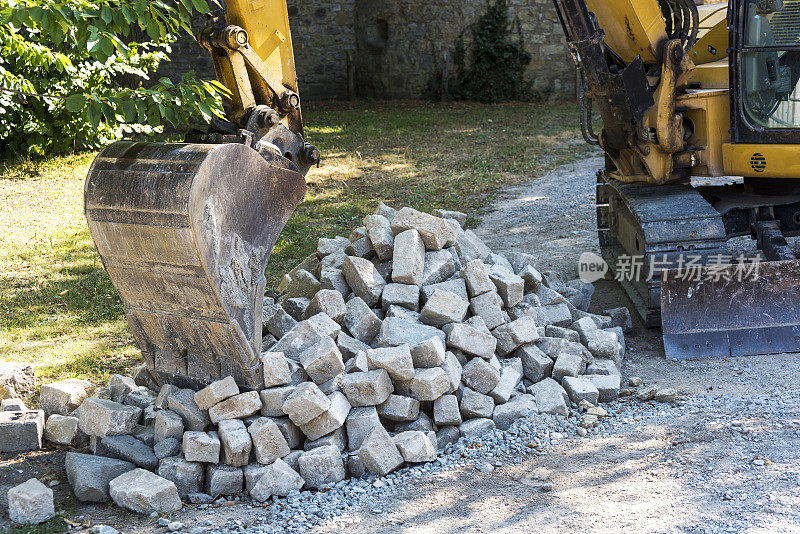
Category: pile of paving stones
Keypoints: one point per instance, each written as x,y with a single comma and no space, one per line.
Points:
384,348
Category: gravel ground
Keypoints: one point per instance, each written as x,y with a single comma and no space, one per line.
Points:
725,458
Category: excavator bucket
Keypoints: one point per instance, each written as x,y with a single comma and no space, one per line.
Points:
185,232
731,311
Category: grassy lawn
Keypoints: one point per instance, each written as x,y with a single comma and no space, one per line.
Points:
59,311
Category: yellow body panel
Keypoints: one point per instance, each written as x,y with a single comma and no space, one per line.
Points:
709,111
632,27
762,161
714,75
267,26
712,43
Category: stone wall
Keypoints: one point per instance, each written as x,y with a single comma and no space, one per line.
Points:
394,47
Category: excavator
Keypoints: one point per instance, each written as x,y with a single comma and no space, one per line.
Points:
700,107
185,230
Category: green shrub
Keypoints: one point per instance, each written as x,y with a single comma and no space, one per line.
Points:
66,66
497,61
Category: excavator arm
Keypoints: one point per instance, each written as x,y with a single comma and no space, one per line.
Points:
184,230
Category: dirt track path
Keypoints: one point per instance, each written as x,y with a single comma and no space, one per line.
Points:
659,468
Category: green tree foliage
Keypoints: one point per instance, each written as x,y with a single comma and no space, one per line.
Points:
66,66
498,60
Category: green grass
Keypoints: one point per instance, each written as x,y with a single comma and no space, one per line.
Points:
59,311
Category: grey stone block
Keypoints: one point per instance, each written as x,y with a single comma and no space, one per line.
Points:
443,308
510,287
349,346
397,331
456,286
236,407
429,384
322,361
510,375
236,442
268,441
396,361
476,428
550,397
568,364
328,301
479,375
272,400
276,369
364,279
475,405
399,408
536,365
434,232
367,388
168,424
201,447
21,431
379,452
360,422
330,420
187,476
361,248
517,408
216,392
141,491
470,340
453,368
30,503
100,417
579,389
608,386
409,258
405,295
439,267
361,321
447,435
321,467
513,335
223,480
61,429
169,447
305,403
415,447
303,284
446,411
332,278
277,321
64,397
277,479
337,438
131,450
182,402
89,475
430,353
476,276
379,232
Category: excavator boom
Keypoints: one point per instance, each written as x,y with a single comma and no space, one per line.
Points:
185,230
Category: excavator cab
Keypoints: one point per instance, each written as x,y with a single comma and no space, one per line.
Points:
185,230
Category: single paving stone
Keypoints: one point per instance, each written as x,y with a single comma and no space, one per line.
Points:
296,307
236,442
252,474
476,428
536,365
379,232
12,405
434,232
568,364
168,447
476,276
141,491
510,375
470,247
429,353
30,503
337,438
456,286
321,467
361,248
223,480
360,422
141,397
470,340
21,431
216,392
422,422
447,435
16,380
415,446
237,407
120,386
399,408
349,346
89,475
603,344
361,321
446,411
396,360
429,384
327,246
479,375
276,369
367,389
322,361
100,417
405,295
277,321
550,397
327,301
532,278
272,400
396,331
580,389
409,258
61,429
364,279
276,479
303,284
667,395
620,317
201,447
131,450
268,441
608,386
331,419
566,333
358,364
453,368
182,403
294,437
64,397
510,287
439,267
474,404
517,408
187,476
379,452
168,424
461,218
332,278
305,403
488,307
515,334
443,308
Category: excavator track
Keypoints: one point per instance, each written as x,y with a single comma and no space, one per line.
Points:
653,225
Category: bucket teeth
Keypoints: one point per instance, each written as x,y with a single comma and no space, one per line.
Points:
185,232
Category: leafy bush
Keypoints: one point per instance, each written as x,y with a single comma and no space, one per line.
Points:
66,66
498,60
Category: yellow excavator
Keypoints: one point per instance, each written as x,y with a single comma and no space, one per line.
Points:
185,230
690,96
